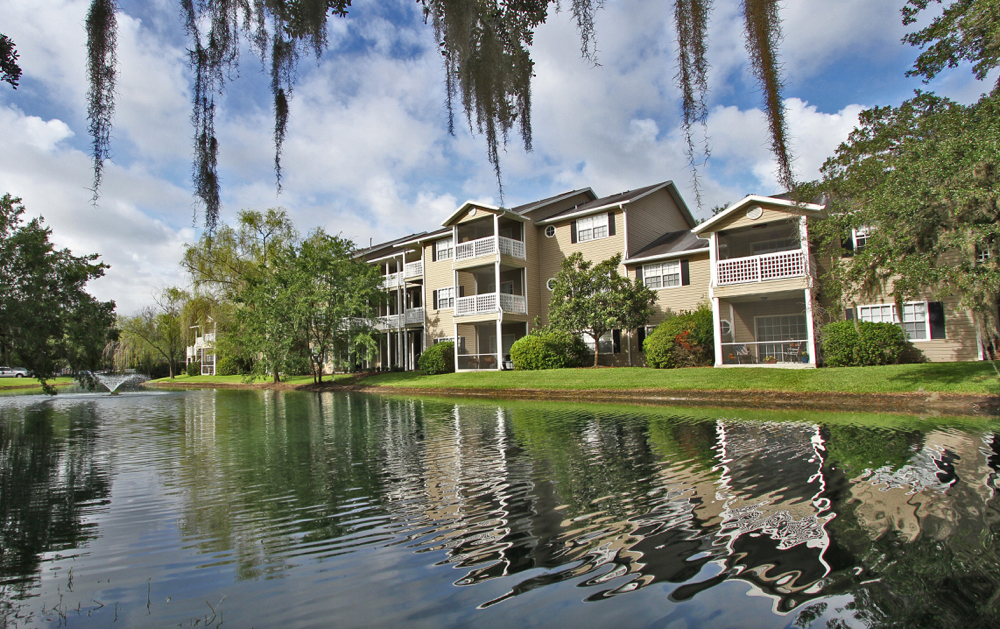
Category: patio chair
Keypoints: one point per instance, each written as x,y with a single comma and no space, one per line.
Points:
742,353
792,355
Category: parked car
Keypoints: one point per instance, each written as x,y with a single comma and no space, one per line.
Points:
13,372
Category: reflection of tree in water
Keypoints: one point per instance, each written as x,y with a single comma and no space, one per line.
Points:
262,477
52,474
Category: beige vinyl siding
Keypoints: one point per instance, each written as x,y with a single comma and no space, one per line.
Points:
762,288
675,299
439,323
960,343
534,283
480,214
652,216
739,219
552,251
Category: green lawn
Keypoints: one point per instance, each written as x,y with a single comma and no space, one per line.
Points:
971,377
186,379
11,383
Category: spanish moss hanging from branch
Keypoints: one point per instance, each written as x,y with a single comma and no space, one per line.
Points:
691,22
763,33
102,61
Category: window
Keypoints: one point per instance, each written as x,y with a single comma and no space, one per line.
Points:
860,236
921,320
444,248
984,252
444,339
774,245
444,298
550,283
507,288
592,227
662,274
550,231
607,342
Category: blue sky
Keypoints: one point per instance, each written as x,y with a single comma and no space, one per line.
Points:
368,154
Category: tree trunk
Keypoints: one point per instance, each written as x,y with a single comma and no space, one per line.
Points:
597,349
277,378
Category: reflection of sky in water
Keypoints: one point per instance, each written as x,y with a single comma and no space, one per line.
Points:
309,509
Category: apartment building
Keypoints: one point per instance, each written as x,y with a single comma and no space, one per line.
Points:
484,277
202,350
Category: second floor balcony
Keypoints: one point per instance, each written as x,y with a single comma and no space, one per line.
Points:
413,270
489,246
760,268
490,302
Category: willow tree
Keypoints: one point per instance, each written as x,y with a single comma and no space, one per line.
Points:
484,44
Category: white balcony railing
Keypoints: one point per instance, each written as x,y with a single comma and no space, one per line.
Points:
209,338
795,351
487,302
414,315
770,266
389,322
512,248
476,248
476,304
517,304
393,280
413,269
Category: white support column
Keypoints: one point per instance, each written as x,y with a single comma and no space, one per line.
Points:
809,327
713,259
717,327
804,243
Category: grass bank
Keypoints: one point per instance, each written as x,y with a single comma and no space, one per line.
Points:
32,383
186,380
973,378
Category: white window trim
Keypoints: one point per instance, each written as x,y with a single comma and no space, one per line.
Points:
896,320
550,228
862,234
607,342
439,248
662,274
549,283
590,225
451,298
444,339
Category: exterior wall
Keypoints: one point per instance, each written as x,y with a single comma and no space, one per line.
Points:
535,283
739,219
761,288
652,216
437,323
675,299
552,251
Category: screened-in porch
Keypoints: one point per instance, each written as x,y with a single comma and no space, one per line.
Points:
477,347
765,330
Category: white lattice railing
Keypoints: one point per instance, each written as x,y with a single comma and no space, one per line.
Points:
770,266
476,248
512,248
476,304
517,304
414,315
413,269
393,280
209,338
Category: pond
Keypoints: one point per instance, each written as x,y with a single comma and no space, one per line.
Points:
295,509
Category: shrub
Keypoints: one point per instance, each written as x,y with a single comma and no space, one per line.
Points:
847,345
840,344
881,343
685,340
228,366
438,358
548,349
194,369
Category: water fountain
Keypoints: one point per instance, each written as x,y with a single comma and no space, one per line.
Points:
112,382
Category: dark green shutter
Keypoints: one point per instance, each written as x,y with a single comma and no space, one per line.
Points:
685,273
572,232
436,300
847,243
849,314
641,335
611,223
616,338
935,312
638,274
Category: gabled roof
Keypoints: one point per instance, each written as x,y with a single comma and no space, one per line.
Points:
754,199
669,245
622,198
